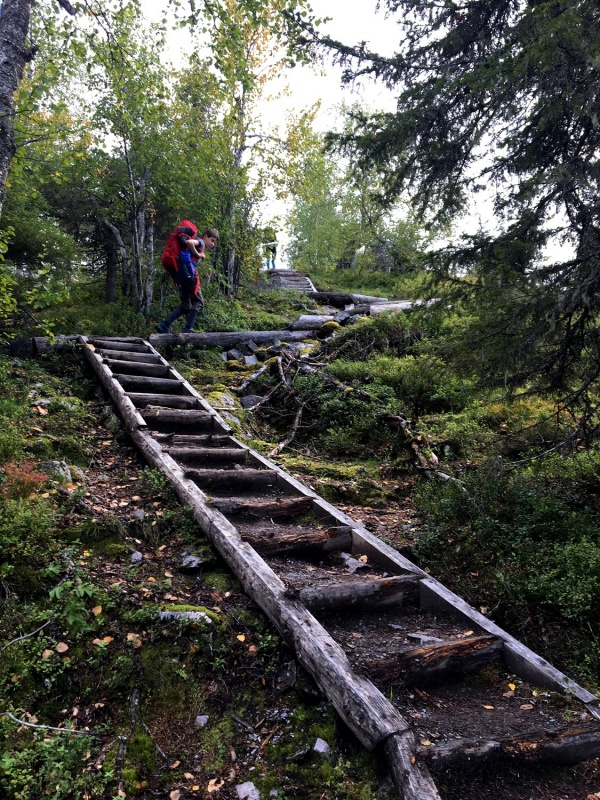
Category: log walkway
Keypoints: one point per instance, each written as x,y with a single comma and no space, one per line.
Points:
364,621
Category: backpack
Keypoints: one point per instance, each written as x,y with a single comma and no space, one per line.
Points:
170,256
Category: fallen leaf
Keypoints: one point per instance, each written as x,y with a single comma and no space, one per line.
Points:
97,642
121,793
188,776
489,708
152,580
253,648
168,574
526,706
96,610
62,647
175,764
162,547
214,785
363,559
508,694
175,794
425,742
47,653
240,637
195,788
108,639
512,686
136,641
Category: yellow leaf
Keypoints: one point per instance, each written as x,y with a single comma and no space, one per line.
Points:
108,639
512,686
152,580
489,708
195,788
240,637
214,785
96,610
62,647
425,742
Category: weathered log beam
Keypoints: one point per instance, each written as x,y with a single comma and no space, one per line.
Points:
267,542
203,455
191,440
133,419
141,383
178,416
126,357
366,594
259,508
137,368
343,299
228,339
144,399
309,322
436,661
136,346
570,745
232,478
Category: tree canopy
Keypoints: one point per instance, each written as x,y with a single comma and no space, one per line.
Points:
500,99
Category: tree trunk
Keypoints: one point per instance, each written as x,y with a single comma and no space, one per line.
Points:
14,25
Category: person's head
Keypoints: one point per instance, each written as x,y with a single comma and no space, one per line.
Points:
210,237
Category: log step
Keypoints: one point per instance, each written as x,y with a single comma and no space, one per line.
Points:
436,662
142,358
208,455
259,508
180,401
113,344
366,594
137,368
233,478
192,440
140,383
158,418
566,745
308,541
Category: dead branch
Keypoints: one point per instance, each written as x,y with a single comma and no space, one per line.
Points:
297,420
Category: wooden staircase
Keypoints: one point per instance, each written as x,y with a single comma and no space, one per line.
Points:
391,648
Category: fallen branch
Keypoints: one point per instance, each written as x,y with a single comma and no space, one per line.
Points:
47,727
297,421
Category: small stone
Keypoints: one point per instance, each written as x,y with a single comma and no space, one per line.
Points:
321,747
139,513
224,357
234,355
247,791
201,721
250,361
250,400
273,793
59,469
136,557
287,676
44,403
78,474
252,346
191,565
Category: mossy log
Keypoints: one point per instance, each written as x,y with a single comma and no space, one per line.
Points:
435,662
570,745
229,339
366,594
270,543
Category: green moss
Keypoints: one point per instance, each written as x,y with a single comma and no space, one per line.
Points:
202,609
216,742
221,581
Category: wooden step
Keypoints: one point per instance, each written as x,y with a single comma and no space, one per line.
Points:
179,401
270,541
142,358
196,440
201,456
115,344
159,386
137,368
259,508
233,478
366,594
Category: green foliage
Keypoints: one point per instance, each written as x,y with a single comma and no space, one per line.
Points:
27,538
422,384
38,766
531,548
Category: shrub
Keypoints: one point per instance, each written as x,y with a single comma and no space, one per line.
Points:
20,480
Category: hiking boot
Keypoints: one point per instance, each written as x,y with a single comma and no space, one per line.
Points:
162,327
